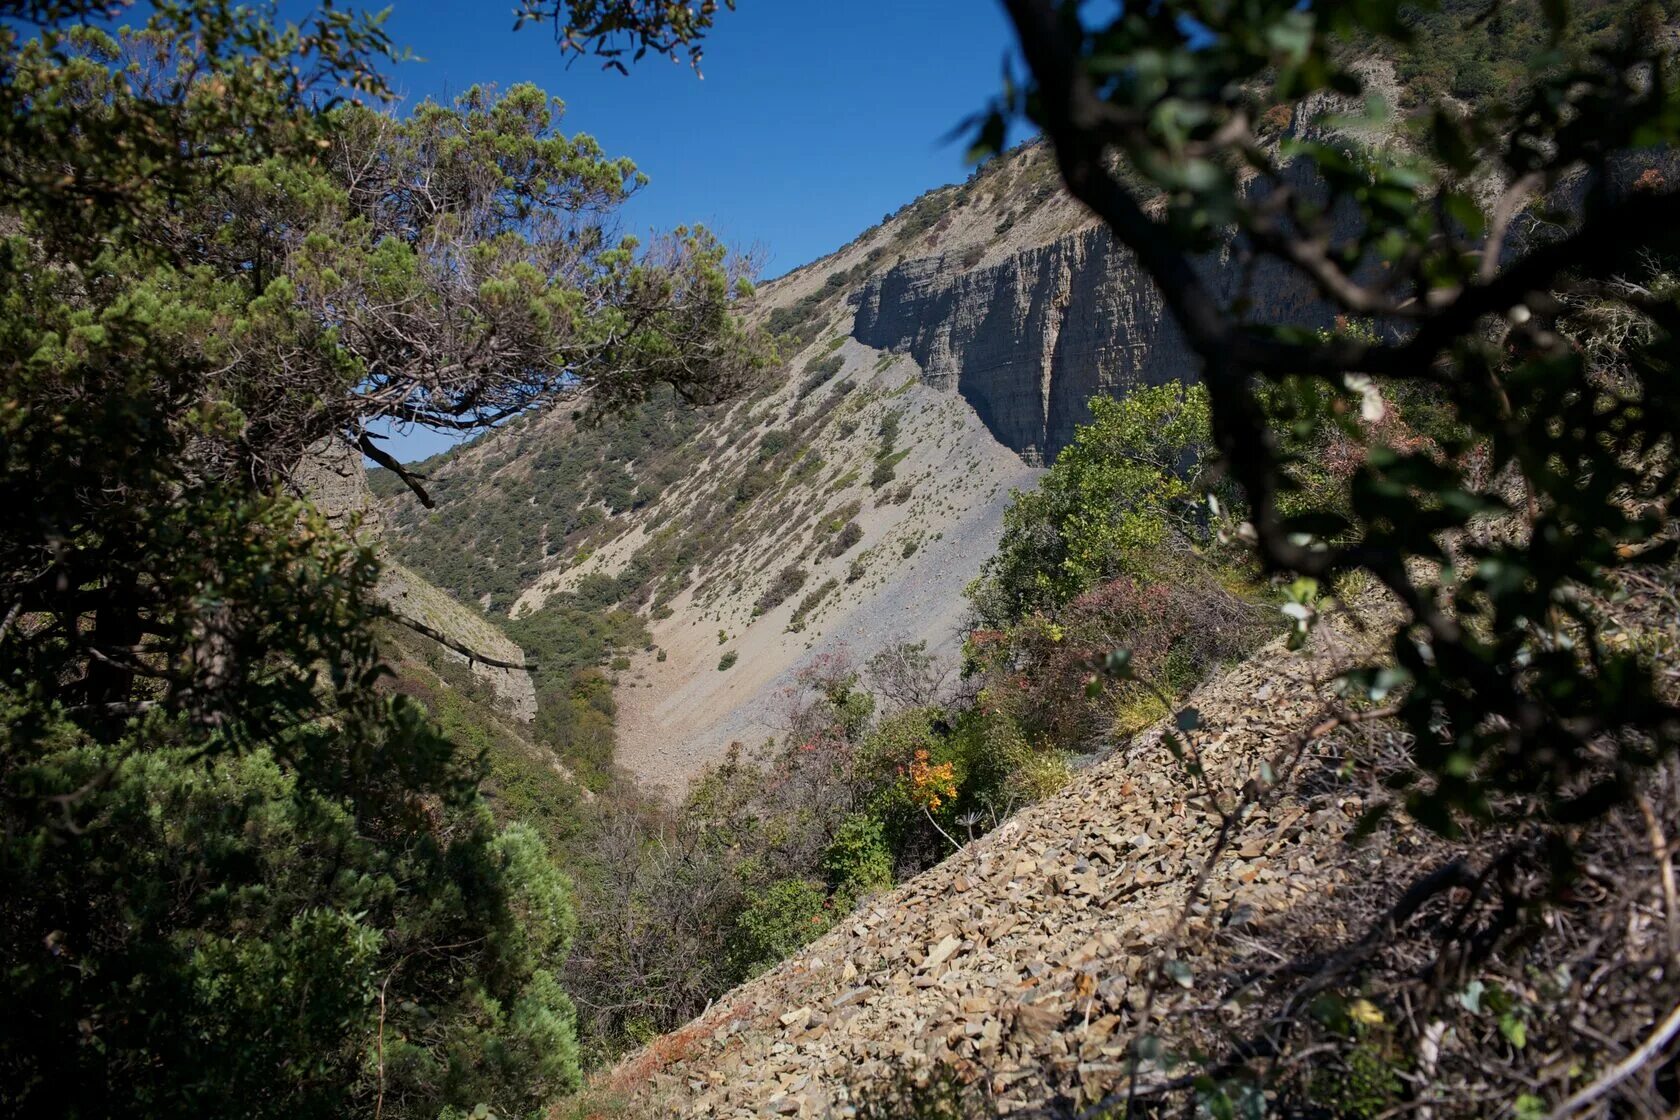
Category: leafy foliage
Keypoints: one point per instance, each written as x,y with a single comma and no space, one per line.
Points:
238,874
776,922
1124,486
1509,686
1478,267
610,29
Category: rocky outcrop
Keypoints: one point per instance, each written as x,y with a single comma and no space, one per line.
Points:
332,477
1029,341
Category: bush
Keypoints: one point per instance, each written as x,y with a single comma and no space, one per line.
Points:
775,441
776,923
888,431
787,581
727,661
843,541
859,862
885,471
751,484
1113,497
817,373
810,603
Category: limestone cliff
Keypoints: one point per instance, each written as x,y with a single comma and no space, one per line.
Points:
1028,341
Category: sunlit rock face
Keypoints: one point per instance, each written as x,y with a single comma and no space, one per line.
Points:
1029,341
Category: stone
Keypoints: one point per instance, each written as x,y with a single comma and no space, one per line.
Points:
941,952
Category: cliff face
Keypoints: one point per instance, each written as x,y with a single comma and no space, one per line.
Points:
1029,341
332,477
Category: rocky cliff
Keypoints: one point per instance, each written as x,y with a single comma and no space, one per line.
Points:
1028,341
332,476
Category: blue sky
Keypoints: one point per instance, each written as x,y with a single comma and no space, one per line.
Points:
812,121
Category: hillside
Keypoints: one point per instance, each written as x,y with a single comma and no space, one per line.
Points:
931,367
1211,654
842,506
1018,959
1015,977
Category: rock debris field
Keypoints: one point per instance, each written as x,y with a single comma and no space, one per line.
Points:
1023,958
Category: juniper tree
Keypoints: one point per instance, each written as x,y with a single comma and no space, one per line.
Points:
236,876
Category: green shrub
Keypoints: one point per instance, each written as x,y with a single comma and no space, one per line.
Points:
1111,499
751,484
776,923
887,430
774,442
727,661
843,541
810,603
858,862
787,581
817,373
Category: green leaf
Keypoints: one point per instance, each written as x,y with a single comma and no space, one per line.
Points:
1514,1030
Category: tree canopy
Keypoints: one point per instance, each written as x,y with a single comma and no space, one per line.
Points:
236,873
1163,123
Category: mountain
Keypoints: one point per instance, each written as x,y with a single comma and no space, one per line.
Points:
932,365
840,507
702,572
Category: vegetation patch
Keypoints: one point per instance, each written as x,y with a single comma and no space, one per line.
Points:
842,542
789,580
809,603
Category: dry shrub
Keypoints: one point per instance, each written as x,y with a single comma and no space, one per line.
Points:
1176,628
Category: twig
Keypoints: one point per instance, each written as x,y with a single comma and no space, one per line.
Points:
1623,1069
1661,852
954,845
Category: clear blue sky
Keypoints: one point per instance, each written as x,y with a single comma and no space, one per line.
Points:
812,121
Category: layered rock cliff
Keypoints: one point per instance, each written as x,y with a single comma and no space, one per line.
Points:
1030,340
